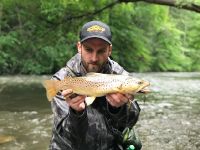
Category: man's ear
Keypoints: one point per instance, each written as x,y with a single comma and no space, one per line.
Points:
78,45
110,50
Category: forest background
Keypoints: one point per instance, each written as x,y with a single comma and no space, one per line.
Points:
38,37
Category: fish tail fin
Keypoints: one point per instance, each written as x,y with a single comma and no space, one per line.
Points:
50,89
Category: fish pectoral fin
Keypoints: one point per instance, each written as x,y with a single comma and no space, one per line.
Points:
89,100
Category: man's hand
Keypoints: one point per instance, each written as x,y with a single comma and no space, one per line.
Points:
75,102
118,99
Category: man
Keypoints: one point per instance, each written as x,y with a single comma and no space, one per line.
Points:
98,126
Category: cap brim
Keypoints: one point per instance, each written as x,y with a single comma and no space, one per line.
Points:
95,36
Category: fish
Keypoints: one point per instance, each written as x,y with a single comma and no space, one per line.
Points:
96,85
6,139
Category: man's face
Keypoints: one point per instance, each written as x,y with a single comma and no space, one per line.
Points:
94,53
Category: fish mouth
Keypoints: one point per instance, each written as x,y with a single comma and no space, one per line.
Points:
145,89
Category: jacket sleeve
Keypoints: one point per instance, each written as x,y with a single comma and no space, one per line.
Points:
125,116
68,126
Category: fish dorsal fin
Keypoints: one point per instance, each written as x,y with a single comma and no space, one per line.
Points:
89,100
68,78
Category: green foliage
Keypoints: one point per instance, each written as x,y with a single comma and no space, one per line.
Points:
168,51
180,3
8,61
130,46
38,37
190,25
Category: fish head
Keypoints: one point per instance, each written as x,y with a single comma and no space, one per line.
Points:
134,85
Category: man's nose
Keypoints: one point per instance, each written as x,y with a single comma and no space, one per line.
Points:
94,57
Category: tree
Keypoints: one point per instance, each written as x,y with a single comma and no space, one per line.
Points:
42,34
192,5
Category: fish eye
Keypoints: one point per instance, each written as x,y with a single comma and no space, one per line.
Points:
140,82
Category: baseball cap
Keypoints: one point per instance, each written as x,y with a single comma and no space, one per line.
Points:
95,29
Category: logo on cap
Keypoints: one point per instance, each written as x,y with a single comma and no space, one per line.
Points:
95,28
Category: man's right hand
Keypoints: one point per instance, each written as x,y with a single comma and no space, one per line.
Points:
77,102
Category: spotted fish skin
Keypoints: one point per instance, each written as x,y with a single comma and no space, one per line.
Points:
96,85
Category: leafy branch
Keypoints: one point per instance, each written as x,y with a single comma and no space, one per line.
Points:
184,4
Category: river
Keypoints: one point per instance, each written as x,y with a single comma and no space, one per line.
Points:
169,119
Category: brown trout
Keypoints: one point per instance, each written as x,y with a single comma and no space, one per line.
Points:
96,85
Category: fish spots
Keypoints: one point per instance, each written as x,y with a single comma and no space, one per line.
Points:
96,85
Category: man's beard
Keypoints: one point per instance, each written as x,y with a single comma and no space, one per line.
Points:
93,67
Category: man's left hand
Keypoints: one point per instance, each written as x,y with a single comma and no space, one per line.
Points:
118,99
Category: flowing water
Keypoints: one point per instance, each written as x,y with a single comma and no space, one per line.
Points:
169,120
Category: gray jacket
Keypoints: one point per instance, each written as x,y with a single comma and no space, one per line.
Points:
100,126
